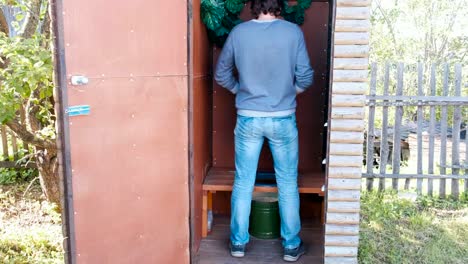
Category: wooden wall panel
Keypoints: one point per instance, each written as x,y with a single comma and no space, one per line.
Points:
201,148
201,116
351,51
144,38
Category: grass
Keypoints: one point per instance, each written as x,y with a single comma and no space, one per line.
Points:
399,230
30,229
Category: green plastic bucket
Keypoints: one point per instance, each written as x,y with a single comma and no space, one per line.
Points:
264,216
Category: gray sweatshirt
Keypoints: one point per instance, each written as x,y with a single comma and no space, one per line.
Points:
273,65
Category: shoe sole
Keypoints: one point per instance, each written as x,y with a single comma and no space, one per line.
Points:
291,258
237,254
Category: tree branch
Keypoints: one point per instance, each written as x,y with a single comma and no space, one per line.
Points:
32,110
390,27
453,18
32,19
22,132
4,24
46,26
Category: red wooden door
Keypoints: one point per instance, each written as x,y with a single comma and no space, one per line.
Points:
129,159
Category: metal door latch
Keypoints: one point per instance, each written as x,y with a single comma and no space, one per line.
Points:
79,80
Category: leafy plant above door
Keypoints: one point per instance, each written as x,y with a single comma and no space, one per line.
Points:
221,16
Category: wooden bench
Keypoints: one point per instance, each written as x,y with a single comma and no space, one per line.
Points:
219,179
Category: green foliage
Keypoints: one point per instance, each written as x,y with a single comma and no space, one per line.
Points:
221,16
28,68
304,4
427,202
430,31
30,228
382,207
30,248
213,13
295,13
14,176
396,230
26,77
235,6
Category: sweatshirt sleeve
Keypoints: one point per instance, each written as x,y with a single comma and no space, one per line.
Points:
303,72
224,75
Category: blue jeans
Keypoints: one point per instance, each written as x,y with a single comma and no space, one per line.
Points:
282,136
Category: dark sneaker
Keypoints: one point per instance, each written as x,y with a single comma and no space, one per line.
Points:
293,254
237,251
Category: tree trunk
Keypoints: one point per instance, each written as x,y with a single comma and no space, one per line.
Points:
47,164
32,19
3,23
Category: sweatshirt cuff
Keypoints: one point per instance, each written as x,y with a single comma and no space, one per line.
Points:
299,90
236,89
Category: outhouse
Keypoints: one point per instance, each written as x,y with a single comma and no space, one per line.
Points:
146,135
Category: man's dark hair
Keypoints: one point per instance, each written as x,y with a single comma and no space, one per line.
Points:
266,7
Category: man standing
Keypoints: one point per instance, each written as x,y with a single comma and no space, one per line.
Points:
273,65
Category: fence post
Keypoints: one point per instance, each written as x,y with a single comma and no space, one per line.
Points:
443,134
383,138
420,124
466,154
370,128
456,134
14,145
449,169
430,183
3,135
397,132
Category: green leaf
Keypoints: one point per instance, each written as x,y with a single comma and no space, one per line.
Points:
290,9
230,21
222,31
299,17
304,4
221,16
287,8
38,64
212,13
19,16
234,6
289,17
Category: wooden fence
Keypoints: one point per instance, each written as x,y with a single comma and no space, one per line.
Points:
426,149
13,151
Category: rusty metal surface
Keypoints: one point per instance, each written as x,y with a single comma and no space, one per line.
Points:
310,108
139,38
129,156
